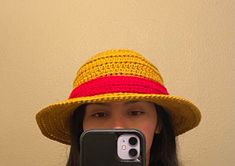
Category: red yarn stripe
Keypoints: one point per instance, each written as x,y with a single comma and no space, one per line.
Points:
112,84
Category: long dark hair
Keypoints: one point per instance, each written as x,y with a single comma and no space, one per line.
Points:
163,149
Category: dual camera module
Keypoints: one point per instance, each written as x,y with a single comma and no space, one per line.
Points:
128,147
133,152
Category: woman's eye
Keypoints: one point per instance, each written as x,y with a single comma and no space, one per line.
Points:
99,114
135,113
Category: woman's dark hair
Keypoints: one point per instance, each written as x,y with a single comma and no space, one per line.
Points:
76,129
163,149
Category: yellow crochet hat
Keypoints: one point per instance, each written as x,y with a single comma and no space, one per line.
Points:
116,75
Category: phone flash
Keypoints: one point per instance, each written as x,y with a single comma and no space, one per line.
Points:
123,147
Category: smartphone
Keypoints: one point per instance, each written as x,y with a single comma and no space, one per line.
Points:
114,147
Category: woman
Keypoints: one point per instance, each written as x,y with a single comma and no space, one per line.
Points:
121,89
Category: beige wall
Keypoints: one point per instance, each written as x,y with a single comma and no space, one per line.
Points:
43,42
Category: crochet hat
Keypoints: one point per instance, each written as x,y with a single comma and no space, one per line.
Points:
116,75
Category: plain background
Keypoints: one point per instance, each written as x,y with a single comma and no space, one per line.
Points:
42,44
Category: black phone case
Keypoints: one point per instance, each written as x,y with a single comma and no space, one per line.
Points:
99,148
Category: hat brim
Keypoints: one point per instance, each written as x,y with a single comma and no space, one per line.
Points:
53,120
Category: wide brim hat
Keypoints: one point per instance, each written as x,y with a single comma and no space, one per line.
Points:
116,75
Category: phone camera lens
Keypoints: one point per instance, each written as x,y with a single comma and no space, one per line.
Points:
132,152
133,141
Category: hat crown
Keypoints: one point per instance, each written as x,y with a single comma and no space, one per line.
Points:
117,63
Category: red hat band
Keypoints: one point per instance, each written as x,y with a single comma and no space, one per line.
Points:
117,84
